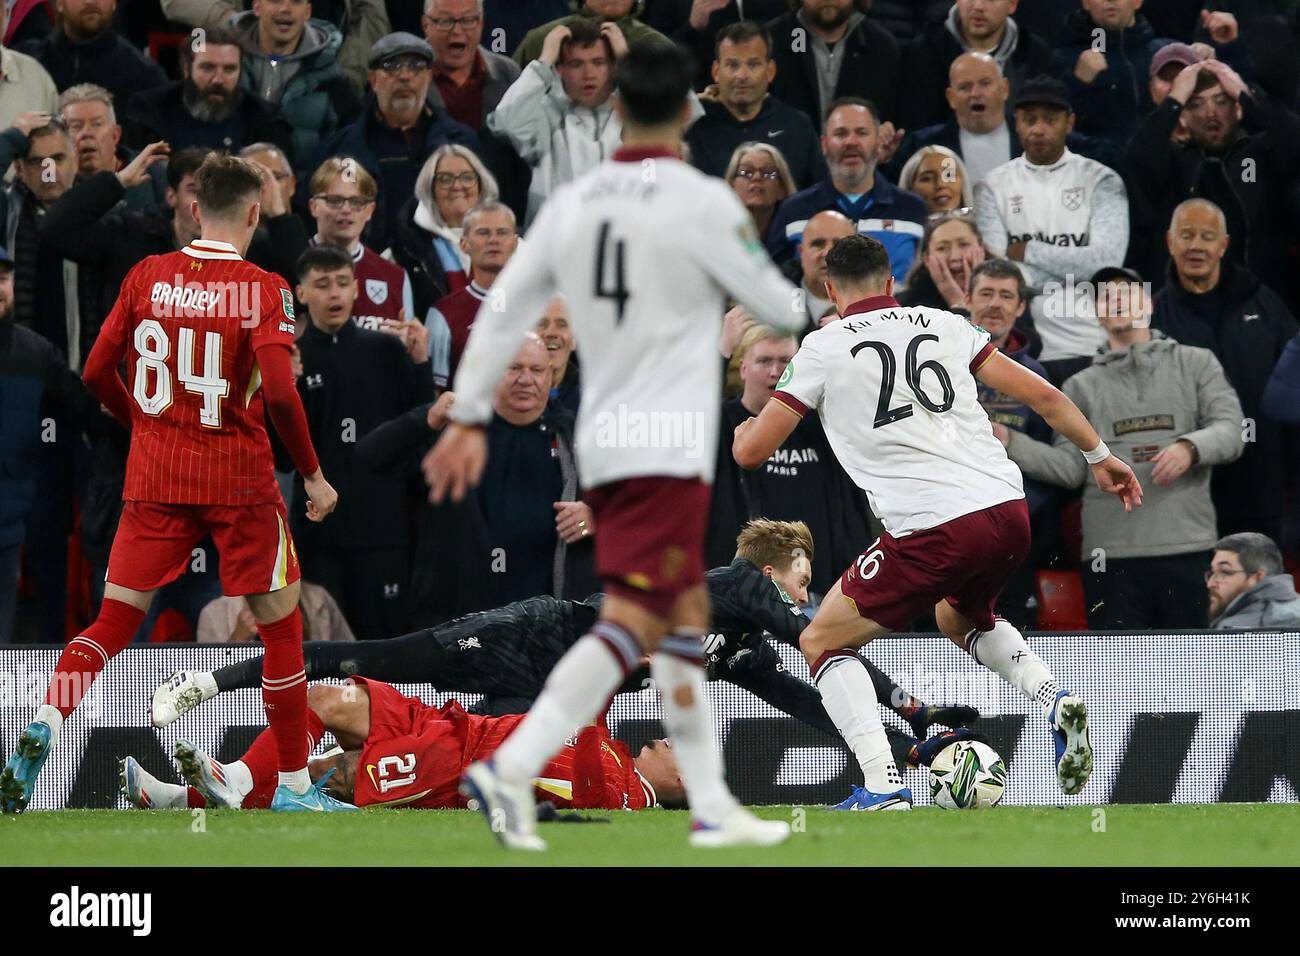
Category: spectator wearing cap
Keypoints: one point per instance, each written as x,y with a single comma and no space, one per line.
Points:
399,128
24,85
971,26
1168,62
342,204
365,21
1211,302
855,187
1061,217
743,110
1167,409
1242,153
622,15
207,106
1248,588
86,49
97,139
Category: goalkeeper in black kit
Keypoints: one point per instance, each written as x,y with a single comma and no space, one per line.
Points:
505,654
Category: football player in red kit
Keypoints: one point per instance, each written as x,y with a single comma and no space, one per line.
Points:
206,338
400,752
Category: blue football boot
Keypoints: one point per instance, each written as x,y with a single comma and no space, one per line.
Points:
19,774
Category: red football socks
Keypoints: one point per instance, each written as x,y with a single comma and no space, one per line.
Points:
284,689
88,652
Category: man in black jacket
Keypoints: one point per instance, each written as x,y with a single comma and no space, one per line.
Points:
1211,302
206,107
744,110
826,50
86,49
354,379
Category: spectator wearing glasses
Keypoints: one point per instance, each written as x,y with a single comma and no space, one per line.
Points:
342,202
741,109
951,248
426,239
468,78
87,110
758,174
1248,588
938,175
399,128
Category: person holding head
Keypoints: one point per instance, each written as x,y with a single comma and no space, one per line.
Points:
856,188
207,106
940,278
398,130
88,112
1212,302
1060,216
951,546
1230,128
1248,588
801,482
938,175
85,48
558,116
621,15
426,236
742,110
760,177
489,238
972,26
361,557
229,488
342,202
26,87
664,258
1171,408
283,179
809,269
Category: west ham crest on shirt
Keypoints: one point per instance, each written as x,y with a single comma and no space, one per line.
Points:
1072,198
377,291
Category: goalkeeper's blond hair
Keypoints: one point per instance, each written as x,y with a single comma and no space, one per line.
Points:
765,542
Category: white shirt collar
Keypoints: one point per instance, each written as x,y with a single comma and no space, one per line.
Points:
212,249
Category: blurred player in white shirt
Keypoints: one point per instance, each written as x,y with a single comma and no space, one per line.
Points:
644,248
896,392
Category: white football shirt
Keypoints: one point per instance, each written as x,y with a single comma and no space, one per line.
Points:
896,392
644,248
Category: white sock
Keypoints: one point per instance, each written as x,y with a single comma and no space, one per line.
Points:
689,723
240,779
1003,650
579,685
850,700
49,714
299,781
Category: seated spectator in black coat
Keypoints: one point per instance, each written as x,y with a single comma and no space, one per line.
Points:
556,334
353,380
86,49
938,175
524,530
971,26
1211,302
757,173
1231,129
87,110
826,50
206,106
743,110
945,264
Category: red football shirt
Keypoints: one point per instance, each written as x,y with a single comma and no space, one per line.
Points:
189,324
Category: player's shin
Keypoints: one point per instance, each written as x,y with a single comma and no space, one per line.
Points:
579,686
677,667
284,694
85,656
1003,650
850,699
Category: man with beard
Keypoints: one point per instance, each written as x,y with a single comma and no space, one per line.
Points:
1248,587
851,145
86,49
206,107
87,110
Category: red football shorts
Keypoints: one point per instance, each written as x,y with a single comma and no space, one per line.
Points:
155,542
650,538
966,561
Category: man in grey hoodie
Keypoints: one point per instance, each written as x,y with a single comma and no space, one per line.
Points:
1169,410
1247,587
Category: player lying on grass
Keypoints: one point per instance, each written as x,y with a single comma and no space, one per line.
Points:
400,752
952,503
506,654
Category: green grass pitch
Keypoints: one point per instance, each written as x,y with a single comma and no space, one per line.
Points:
1174,835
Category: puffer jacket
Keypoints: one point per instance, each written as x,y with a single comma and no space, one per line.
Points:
1142,399
1272,603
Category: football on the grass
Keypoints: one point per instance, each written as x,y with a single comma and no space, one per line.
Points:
967,775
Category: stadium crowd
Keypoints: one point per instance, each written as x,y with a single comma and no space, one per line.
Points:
1111,188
